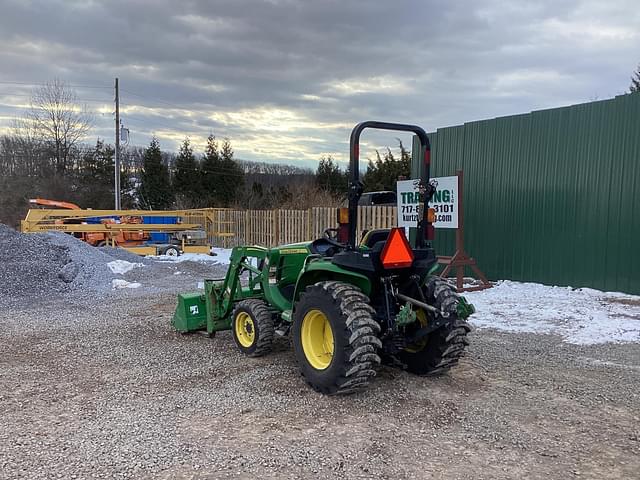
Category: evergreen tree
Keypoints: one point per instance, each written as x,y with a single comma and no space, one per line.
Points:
329,177
186,180
222,176
635,81
155,185
384,172
209,178
231,176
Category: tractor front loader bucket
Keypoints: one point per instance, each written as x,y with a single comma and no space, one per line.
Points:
191,313
201,311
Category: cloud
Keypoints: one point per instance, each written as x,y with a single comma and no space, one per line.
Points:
285,80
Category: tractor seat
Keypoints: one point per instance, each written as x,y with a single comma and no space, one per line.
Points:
374,236
322,247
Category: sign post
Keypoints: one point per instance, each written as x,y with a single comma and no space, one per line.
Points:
447,201
460,259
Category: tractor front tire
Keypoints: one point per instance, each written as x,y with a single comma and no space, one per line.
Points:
253,328
443,347
335,338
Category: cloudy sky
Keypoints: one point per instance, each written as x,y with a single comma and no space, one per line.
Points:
285,80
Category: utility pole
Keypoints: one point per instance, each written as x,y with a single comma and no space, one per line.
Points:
117,153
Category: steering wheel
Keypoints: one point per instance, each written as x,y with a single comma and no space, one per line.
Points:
330,235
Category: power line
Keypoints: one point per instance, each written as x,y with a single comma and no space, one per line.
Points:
173,105
19,107
149,123
134,104
36,84
79,100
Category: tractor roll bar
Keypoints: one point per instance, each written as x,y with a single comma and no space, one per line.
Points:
356,187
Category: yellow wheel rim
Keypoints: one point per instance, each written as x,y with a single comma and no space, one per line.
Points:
245,329
420,344
317,339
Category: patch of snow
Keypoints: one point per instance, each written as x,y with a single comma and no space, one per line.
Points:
177,273
185,257
119,283
221,256
122,266
580,316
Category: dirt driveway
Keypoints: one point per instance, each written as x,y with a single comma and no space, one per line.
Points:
108,390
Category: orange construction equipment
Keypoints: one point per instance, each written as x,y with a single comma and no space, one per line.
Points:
98,239
133,230
43,202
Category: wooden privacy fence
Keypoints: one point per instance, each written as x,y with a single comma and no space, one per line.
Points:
228,228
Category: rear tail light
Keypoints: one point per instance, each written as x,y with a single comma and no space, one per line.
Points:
431,215
343,215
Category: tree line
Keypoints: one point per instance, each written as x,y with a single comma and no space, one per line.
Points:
46,156
187,182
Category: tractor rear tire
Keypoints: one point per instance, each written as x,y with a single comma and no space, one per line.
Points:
335,338
253,327
443,347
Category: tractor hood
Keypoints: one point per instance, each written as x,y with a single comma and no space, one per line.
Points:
293,248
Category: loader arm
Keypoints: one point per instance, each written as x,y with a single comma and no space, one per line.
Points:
232,289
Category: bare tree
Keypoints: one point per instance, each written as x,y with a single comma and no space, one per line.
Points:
57,119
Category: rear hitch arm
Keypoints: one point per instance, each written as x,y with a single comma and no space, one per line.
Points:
420,304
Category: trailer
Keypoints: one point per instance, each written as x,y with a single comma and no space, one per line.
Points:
144,232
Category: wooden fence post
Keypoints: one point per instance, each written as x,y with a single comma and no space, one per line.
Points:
276,233
245,239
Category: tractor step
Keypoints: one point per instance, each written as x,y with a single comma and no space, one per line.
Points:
283,329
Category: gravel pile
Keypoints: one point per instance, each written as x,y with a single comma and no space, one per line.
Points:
49,264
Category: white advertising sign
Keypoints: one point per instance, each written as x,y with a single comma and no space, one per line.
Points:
444,202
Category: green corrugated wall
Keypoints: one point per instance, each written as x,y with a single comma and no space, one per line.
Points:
552,196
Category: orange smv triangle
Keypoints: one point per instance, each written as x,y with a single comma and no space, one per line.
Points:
397,252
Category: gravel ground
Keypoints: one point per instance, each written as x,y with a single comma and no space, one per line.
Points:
101,387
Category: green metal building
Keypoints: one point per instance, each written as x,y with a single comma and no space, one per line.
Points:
551,196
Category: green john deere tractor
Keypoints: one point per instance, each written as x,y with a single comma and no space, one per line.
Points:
346,306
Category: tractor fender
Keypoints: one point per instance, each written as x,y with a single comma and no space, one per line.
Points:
322,271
